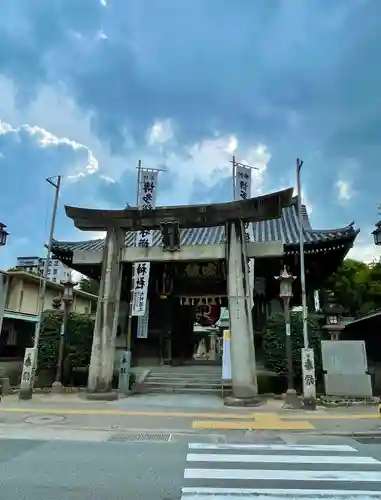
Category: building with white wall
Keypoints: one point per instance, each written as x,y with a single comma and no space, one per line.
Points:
57,271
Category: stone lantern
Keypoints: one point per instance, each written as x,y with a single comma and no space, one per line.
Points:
333,314
377,234
3,234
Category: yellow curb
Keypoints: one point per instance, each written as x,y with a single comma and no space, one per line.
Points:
356,416
55,411
263,416
262,422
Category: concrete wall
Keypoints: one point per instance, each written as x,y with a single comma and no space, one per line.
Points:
23,297
11,368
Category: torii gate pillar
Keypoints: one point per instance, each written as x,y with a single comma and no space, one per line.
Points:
242,351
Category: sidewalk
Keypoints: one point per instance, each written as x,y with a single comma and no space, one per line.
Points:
182,412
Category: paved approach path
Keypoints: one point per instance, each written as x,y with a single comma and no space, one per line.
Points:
193,413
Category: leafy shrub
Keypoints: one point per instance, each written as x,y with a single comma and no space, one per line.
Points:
274,343
78,340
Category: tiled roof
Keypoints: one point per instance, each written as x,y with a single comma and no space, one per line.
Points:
285,229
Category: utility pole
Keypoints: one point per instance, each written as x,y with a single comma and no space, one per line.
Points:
309,389
26,386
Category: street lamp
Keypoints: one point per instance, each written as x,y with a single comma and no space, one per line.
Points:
3,234
377,234
285,293
67,299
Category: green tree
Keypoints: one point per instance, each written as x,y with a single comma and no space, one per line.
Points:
78,341
89,285
357,286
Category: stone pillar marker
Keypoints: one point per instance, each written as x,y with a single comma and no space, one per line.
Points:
28,373
244,379
106,322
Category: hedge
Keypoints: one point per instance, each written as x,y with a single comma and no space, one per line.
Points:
274,343
78,340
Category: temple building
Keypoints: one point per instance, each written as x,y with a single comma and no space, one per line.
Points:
196,258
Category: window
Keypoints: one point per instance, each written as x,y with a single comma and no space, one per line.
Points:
54,280
55,271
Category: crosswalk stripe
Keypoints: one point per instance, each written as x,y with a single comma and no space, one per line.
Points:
284,475
279,463
287,459
272,447
192,493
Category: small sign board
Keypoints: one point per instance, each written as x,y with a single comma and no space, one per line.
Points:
124,372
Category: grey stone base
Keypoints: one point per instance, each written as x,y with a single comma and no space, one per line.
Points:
57,388
25,394
102,396
242,402
357,385
292,401
5,386
309,404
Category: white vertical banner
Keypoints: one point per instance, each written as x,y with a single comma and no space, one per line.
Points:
146,201
226,357
242,191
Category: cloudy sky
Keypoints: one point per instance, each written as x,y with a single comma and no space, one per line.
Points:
89,87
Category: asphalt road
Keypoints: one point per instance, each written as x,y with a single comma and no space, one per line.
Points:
62,470
280,469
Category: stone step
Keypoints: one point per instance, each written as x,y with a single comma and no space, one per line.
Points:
181,390
174,377
181,383
186,374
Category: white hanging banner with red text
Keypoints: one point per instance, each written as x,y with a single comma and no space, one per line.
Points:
242,191
147,201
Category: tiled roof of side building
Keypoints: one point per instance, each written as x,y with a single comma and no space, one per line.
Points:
285,229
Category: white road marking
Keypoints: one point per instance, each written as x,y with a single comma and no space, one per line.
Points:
195,493
284,459
273,447
285,475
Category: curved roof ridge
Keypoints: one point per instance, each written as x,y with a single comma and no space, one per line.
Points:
348,227
78,242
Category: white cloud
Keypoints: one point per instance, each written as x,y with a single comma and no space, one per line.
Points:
160,133
344,190
101,35
364,248
47,140
366,252
5,128
207,161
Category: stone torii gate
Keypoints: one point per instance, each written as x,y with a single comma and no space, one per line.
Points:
236,251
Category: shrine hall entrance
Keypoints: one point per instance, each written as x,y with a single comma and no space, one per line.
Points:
185,301
195,336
